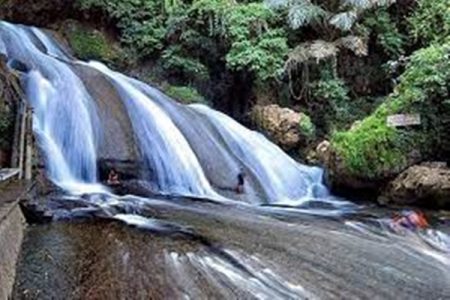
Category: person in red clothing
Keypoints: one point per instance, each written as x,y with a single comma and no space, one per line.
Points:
411,220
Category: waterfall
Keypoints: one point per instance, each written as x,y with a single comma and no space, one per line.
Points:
282,178
166,151
64,118
186,150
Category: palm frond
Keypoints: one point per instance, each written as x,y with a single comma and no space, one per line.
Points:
320,50
366,4
304,12
354,43
317,50
344,21
278,4
360,4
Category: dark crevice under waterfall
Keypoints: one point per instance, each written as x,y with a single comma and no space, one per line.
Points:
286,237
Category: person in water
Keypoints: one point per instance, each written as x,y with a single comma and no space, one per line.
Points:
241,181
113,177
411,220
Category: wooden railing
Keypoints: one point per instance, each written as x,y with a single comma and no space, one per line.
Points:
22,151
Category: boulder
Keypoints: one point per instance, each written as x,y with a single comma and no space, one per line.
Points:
283,125
340,179
425,185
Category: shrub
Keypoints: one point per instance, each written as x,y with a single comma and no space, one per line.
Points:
255,46
330,99
430,21
141,22
173,61
184,94
373,149
89,44
386,32
307,127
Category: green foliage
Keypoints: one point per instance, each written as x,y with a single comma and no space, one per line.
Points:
183,35
306,126
373,148
190,68
430,21
218,42
88,44
337,26
387,34
331,95
184,94
254,46
141,22
330,90
263,57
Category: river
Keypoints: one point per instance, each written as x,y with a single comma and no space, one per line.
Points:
191,249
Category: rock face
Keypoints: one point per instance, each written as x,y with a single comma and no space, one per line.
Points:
124,155
39,13
423,185
342,181
346,182
282,125
10,95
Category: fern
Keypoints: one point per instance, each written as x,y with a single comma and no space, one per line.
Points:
344,21
303,13
354,43
278,4
360,4
317,50
366,4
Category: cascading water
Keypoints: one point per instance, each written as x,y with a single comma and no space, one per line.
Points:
188,150
167,152
283,178
65,117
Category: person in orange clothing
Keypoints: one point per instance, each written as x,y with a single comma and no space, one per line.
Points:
411,220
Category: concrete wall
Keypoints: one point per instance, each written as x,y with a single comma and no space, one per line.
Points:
12,224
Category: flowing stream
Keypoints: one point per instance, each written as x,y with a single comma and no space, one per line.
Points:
285,237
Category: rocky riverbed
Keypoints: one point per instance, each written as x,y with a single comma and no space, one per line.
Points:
185,248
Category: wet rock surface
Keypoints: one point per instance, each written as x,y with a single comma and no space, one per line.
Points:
206,250
422,185
117,147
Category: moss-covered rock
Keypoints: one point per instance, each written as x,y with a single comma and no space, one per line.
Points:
90,44
373,152
184,94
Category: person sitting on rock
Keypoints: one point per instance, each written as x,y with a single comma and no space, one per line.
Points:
241,181
411,220
113,177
